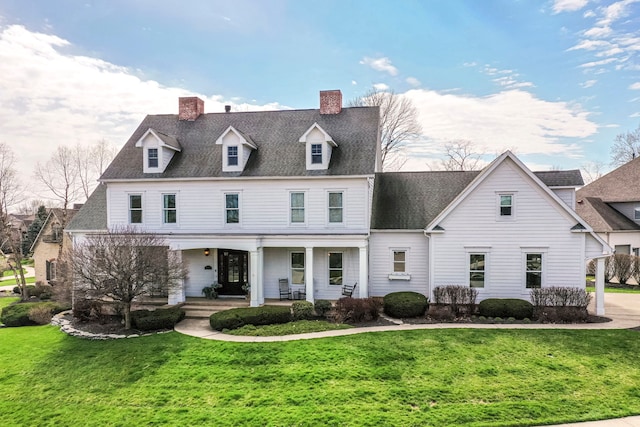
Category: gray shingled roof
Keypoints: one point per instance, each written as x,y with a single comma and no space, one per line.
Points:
169,140
619,185
93,214
602,217
411,200
275,133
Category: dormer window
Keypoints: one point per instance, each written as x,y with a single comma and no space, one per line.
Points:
152,157
316,154
232,155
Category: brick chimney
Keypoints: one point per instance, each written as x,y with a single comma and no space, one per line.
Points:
330,102
190,108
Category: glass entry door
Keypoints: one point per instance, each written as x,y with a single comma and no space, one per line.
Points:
233,270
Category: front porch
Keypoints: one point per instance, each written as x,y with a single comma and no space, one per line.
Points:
202,308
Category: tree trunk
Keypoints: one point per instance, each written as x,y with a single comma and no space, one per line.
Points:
127,315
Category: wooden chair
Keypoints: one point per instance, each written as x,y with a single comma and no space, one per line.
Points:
285,290
347,290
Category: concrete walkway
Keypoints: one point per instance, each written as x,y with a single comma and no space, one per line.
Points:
29,272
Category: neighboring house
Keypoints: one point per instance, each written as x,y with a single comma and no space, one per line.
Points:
253,197
46,246
611,206
19,227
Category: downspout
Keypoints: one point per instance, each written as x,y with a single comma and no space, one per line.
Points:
430,265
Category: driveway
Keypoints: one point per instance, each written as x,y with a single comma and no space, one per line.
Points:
623,308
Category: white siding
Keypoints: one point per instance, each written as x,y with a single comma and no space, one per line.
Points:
540,225
167,155
627,209
381,262
199,277
567,195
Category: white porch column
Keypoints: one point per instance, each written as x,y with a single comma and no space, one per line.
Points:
600,287
363,279
261,276
177,294
308,273
254,278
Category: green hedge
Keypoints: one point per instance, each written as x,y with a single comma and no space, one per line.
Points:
18,314
405,304
161,318
506,307
238,317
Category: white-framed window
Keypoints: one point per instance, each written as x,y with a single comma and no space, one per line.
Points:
336,207
533,270
316,154
636,214
335,268
399,260
232,155
477,269
506,205
297,268
296,199
232,208
135,208
152,157
169,209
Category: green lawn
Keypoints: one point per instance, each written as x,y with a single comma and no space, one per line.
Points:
447,377
13,282
298,327
10,273
608,290
5,301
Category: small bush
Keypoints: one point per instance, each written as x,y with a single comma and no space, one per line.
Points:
461,298
405,304
302,310
322,307
441,312
41,315
16,290
622,267
161,318
560,304
357,309
506,307
87,309
237,317
18,314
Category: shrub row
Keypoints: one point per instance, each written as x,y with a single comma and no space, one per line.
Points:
39,290
357,309
560,304
505,308
405,304
621,266
161,318
459,298
302,310
322,307
238,317
19,314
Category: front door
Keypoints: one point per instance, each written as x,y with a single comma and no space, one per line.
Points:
233,270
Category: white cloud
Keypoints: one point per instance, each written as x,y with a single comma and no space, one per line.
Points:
568,5
598,31
589,14
50,97
413,81
614,11
512,119
634,115
470,64
380,64
635,86
588,83
353,82
598,63
380,86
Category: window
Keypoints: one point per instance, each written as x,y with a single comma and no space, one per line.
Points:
399,261
135,208
506,204
232,156
477,264
50,270
169,212
335,208
297,207
316,153
335,268
534,270
636,214
297,268
232,208
152,157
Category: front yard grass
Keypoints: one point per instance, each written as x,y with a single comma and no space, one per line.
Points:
298,327
608,290
13,282
446,377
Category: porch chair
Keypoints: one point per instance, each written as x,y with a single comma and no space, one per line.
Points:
285,290
347,290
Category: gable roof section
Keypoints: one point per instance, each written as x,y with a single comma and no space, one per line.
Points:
54,213
619,185
165,140
275,133
569,178
602,217
93,214
244,138
327,137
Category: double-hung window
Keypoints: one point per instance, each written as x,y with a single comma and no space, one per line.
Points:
399,261
335,207
533,270
232,155
335,268
316,154
152,157
169,210
297,268
297,207
506,205
135,208
477,264
232,208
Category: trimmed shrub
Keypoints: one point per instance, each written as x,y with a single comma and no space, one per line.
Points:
18,314
357,309
161,318
441,312
41,315
461,298
16,290
302,310
322,307
560,304
237,317
405,304
505,308
87,309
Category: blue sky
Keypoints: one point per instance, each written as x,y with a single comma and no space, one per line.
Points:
554,81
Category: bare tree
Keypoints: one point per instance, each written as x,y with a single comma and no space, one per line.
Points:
626,147
30,207
91,161
399,124
592,171
60,176
11,193
461,155
123,265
